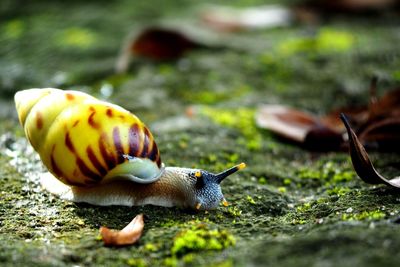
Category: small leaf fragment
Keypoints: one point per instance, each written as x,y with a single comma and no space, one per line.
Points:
127,236
361,162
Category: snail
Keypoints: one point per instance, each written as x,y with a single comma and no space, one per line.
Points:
99,153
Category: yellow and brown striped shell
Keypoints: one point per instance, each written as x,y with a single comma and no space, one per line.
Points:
85,141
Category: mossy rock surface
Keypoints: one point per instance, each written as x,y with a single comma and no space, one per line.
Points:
289,207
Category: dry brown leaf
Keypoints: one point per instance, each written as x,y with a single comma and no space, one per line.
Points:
298,126
157,44
127,236
357,114
361,162
162,44
349,6
381,128
377,125
383,134
315,11
387,105
289,123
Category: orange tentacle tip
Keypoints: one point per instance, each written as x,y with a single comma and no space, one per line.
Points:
241,166
198,206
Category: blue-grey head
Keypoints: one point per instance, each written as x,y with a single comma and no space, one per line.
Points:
207,188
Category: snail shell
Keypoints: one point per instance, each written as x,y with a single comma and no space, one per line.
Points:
85,141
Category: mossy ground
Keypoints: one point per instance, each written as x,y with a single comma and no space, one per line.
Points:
290,207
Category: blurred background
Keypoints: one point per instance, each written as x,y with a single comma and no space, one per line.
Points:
314,54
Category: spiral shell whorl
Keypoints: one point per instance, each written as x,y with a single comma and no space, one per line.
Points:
85,141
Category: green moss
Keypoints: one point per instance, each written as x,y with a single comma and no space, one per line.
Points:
365,215
201,237
343,176
331,40
188,258
303,208
250,200
234,211
276,70
396,75
170,223
151,247
225,263
322,200
136,262
262,180
76,38
213,95
282,189
305,173
298,221
241,119
328,173
171,261
13,29
338,191
326,41
287,181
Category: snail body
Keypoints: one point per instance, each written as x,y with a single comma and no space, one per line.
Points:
100,153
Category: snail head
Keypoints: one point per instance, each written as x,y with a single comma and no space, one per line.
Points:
208,194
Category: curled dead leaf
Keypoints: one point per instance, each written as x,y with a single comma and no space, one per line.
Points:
361,162
127,236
